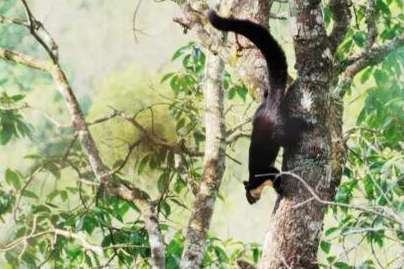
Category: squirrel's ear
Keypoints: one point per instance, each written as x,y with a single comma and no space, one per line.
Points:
250,198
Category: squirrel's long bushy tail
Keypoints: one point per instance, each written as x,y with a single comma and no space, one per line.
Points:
272,51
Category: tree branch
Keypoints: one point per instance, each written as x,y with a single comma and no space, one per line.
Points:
202,209
159,141
373,56
15,21
34,26
19,58
342,19
357,63
371,23
383,213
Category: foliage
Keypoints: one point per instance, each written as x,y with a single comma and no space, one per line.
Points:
72,224
374,174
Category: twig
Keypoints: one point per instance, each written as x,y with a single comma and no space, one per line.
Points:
134,17
131,147
19,58
16,21
34,25
22,190
108,117
174,147
391,216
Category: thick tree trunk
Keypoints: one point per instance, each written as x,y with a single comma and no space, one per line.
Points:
293,238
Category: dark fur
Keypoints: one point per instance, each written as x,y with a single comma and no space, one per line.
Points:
272,127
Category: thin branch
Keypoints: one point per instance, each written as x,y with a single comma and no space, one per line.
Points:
22,190
372,57
80,239
281,16
238,126
391,216
34,26
357,63
134,17
131,147
16,21
235,136
108,117
174,147
342,19
371,23
19,58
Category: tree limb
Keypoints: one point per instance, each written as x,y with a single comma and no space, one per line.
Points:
19,58
15,21
159,141
357,63
372,57
202,209
342,19
371,23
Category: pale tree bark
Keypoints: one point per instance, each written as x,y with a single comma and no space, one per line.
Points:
214,156
203,206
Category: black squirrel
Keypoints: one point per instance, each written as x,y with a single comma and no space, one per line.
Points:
272,126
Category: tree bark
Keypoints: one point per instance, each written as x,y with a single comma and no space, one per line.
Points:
202,209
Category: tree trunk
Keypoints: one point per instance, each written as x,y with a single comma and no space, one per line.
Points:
293,238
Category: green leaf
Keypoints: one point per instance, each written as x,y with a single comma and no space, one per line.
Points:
163,182
360,39
167,76
17,97
179,52
30,194
366,75
221,254
12,178
5,135
381,5
325,246
231,93
165,208
342,265
331,231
